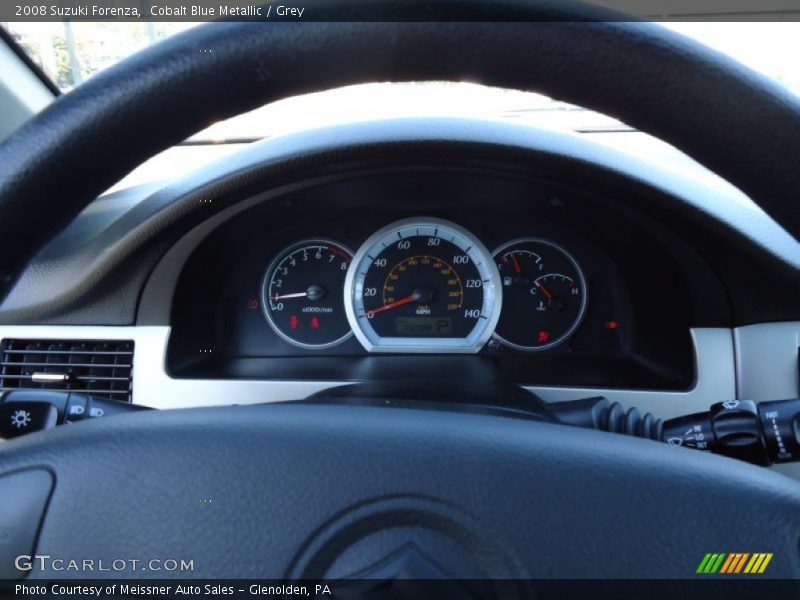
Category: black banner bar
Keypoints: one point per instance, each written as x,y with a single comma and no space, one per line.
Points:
722,587
382,10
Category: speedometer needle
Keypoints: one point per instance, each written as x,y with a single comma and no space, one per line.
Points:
421,294
391,305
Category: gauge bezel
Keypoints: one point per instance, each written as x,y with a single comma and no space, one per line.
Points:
265,300
477,252
584,296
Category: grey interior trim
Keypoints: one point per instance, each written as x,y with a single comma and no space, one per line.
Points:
22,94
155,303
767,361
767,366
152,386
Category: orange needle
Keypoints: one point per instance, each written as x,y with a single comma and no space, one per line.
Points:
391,305
545,291
517,266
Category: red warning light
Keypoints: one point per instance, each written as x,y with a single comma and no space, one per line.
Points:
252,304
293,322
611,324
544,337
315,323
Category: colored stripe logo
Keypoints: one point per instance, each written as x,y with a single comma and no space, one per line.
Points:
734,563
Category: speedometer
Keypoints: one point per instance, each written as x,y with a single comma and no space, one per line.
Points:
422,285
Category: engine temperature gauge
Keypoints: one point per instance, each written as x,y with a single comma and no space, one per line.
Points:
544,294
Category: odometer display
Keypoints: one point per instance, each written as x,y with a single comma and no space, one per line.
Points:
436,326
422,285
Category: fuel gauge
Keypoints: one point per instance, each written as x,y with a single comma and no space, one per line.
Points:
544,294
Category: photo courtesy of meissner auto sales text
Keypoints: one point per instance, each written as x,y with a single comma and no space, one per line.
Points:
404,299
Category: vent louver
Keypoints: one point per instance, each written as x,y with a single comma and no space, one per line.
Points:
98,367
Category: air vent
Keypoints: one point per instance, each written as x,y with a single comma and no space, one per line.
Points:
98,367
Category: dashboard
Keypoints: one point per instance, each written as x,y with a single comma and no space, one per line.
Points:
666,315
440,273
650,272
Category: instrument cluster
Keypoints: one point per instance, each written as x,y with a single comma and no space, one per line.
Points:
425,285
436,274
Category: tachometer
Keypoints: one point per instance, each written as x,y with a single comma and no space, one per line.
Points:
302,294
422,285
544,294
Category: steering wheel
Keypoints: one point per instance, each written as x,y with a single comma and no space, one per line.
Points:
330,491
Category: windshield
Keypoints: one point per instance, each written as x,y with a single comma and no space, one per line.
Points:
70,53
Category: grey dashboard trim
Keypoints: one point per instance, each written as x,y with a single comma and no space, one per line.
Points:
767,361
22,93
155,303
767,367
152,385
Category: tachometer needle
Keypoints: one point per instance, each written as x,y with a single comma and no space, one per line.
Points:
285,296
313,293
391,305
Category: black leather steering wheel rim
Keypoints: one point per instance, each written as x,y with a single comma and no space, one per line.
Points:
727,117
146,475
